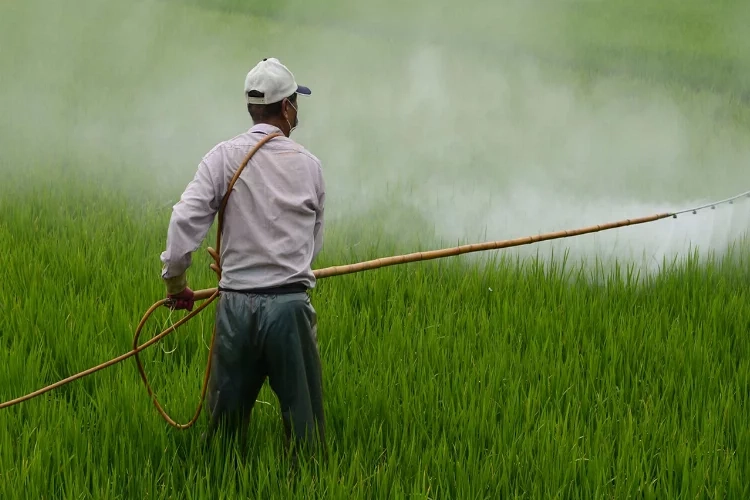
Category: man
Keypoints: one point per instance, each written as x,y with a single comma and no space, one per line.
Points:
272,231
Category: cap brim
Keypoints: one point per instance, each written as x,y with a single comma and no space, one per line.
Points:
303,90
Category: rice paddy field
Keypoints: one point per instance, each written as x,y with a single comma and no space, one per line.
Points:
611,365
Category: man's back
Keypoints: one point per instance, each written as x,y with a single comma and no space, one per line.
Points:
273,219
273,222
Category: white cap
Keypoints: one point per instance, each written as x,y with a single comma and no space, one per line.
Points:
274,80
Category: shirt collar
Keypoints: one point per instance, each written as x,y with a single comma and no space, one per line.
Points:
265,128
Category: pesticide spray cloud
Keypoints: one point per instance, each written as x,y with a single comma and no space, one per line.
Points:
487,141
458,124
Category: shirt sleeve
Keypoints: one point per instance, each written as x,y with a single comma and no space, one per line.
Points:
319,221
191,219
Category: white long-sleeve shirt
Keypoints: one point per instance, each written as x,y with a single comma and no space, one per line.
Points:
273,221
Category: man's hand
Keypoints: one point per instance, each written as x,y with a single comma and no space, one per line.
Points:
183,300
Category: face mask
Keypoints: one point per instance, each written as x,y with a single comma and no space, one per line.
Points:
296,119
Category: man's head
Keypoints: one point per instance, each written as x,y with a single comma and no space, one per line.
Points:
271,94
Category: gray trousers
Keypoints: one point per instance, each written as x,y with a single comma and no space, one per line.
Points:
274,336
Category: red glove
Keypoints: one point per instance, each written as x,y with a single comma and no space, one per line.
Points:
183,300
